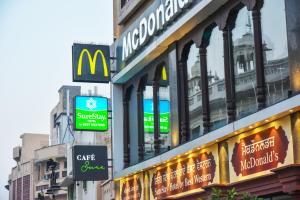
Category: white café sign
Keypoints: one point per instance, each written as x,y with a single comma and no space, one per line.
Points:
148,26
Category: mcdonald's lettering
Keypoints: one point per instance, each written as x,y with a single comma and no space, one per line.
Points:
91,63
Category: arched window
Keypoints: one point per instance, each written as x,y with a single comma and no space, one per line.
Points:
216,78
242,39
133,128
194,92
148,116
275,51
164,108
127,126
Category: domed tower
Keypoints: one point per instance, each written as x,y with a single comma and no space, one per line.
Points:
244,51
195,70
194,82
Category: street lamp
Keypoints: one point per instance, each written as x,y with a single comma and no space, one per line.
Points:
54,187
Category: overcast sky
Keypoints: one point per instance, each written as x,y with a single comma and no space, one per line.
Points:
35,61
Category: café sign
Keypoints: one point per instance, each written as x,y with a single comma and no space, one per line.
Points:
90,163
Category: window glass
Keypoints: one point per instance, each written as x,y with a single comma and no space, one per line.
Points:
124,2
133,127
148,121
216,80
164,111
275,51
244,64
194,92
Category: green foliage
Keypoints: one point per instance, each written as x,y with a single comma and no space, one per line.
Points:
247,196
218,194
231,194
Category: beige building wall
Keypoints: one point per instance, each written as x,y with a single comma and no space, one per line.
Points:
25,165
30,142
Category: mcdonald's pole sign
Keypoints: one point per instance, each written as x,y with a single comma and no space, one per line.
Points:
91,63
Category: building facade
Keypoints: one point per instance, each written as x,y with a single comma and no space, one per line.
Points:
43,174
62,114
62,133
22,179
206,95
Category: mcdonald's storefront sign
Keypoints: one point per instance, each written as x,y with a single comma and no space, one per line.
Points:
91,63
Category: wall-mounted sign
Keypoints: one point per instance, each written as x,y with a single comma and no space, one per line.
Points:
91,63
132,189
90,163
173,179
257,152
164,116
154,20
186,175
91,113
260,152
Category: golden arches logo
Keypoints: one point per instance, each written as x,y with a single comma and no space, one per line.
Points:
164,74
92,62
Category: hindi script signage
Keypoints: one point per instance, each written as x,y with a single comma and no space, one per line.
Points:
259,152
132,189
189,174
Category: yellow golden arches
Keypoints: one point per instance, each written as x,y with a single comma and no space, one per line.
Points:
92,62
164,76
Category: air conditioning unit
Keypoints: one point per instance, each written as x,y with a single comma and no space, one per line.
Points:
17,153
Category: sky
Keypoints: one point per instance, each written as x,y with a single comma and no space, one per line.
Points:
36,37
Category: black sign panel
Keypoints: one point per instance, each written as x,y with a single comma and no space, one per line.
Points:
91,63
90,163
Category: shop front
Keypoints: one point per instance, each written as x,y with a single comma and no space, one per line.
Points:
207,98
260,161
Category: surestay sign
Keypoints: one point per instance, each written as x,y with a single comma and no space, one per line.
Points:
91,113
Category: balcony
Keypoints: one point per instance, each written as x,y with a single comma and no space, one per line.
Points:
56,151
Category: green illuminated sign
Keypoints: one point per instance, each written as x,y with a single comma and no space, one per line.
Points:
87,167
164,116
91,113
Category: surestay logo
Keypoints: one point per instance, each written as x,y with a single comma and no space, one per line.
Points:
91,63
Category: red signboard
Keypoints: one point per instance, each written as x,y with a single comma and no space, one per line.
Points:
188,174
132,189
259,152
